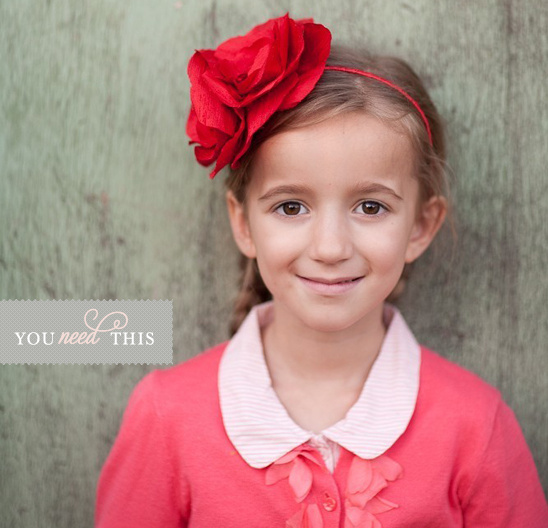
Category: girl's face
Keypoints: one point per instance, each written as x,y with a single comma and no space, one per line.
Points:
332,215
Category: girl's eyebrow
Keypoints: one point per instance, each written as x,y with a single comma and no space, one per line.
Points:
303,189
284,189
375,188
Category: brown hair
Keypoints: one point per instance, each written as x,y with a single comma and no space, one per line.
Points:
337,93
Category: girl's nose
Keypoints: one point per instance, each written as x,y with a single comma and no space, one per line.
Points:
331,239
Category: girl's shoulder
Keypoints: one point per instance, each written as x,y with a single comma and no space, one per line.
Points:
184,381
464,412
202,365
447,384
464,426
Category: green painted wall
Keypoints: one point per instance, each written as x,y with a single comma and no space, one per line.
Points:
100,197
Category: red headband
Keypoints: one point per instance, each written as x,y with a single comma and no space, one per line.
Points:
238,86
392,85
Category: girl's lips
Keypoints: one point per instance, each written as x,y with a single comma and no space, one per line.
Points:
331,288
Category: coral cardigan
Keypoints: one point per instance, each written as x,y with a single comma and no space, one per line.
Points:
461,461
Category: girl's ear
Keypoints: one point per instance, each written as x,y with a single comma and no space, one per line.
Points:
429,220
240,225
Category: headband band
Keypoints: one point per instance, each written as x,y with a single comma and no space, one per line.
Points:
392,85
237,87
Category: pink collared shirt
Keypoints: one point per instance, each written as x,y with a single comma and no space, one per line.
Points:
261,429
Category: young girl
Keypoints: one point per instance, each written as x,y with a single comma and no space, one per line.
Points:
322,410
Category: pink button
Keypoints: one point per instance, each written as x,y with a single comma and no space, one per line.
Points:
329,503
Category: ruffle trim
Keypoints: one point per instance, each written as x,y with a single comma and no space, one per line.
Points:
366,478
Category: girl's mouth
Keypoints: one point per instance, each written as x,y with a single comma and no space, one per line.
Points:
333,286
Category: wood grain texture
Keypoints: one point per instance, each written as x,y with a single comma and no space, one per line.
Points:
100,197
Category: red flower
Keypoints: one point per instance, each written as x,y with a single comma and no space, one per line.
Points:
237,87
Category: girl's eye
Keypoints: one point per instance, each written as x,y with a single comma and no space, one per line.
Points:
371,208
291,209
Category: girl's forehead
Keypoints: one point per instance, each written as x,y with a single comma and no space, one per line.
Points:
338,151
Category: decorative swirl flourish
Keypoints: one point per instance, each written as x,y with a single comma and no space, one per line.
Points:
117,322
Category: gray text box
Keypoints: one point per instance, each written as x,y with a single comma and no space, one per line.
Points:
86,332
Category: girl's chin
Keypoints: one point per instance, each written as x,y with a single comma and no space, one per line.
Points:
332,320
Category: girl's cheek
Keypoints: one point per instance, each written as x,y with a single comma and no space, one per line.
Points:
280,229
383,233
278,241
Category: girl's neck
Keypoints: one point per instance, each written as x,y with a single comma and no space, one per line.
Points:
296,353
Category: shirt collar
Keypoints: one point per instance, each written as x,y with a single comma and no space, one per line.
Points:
260,428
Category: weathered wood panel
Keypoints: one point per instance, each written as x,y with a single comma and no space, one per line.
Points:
100,197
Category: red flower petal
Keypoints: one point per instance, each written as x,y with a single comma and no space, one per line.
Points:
260,112
359,475
357,518
308,516
366,479
221,90
288,457
211,140
270,75
313,517
379,505
228,150
277,472
387,467
361,498
297,520
294,48
353,516
312,455
233,45
300,479
262,71
209,109
304,450
312,63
